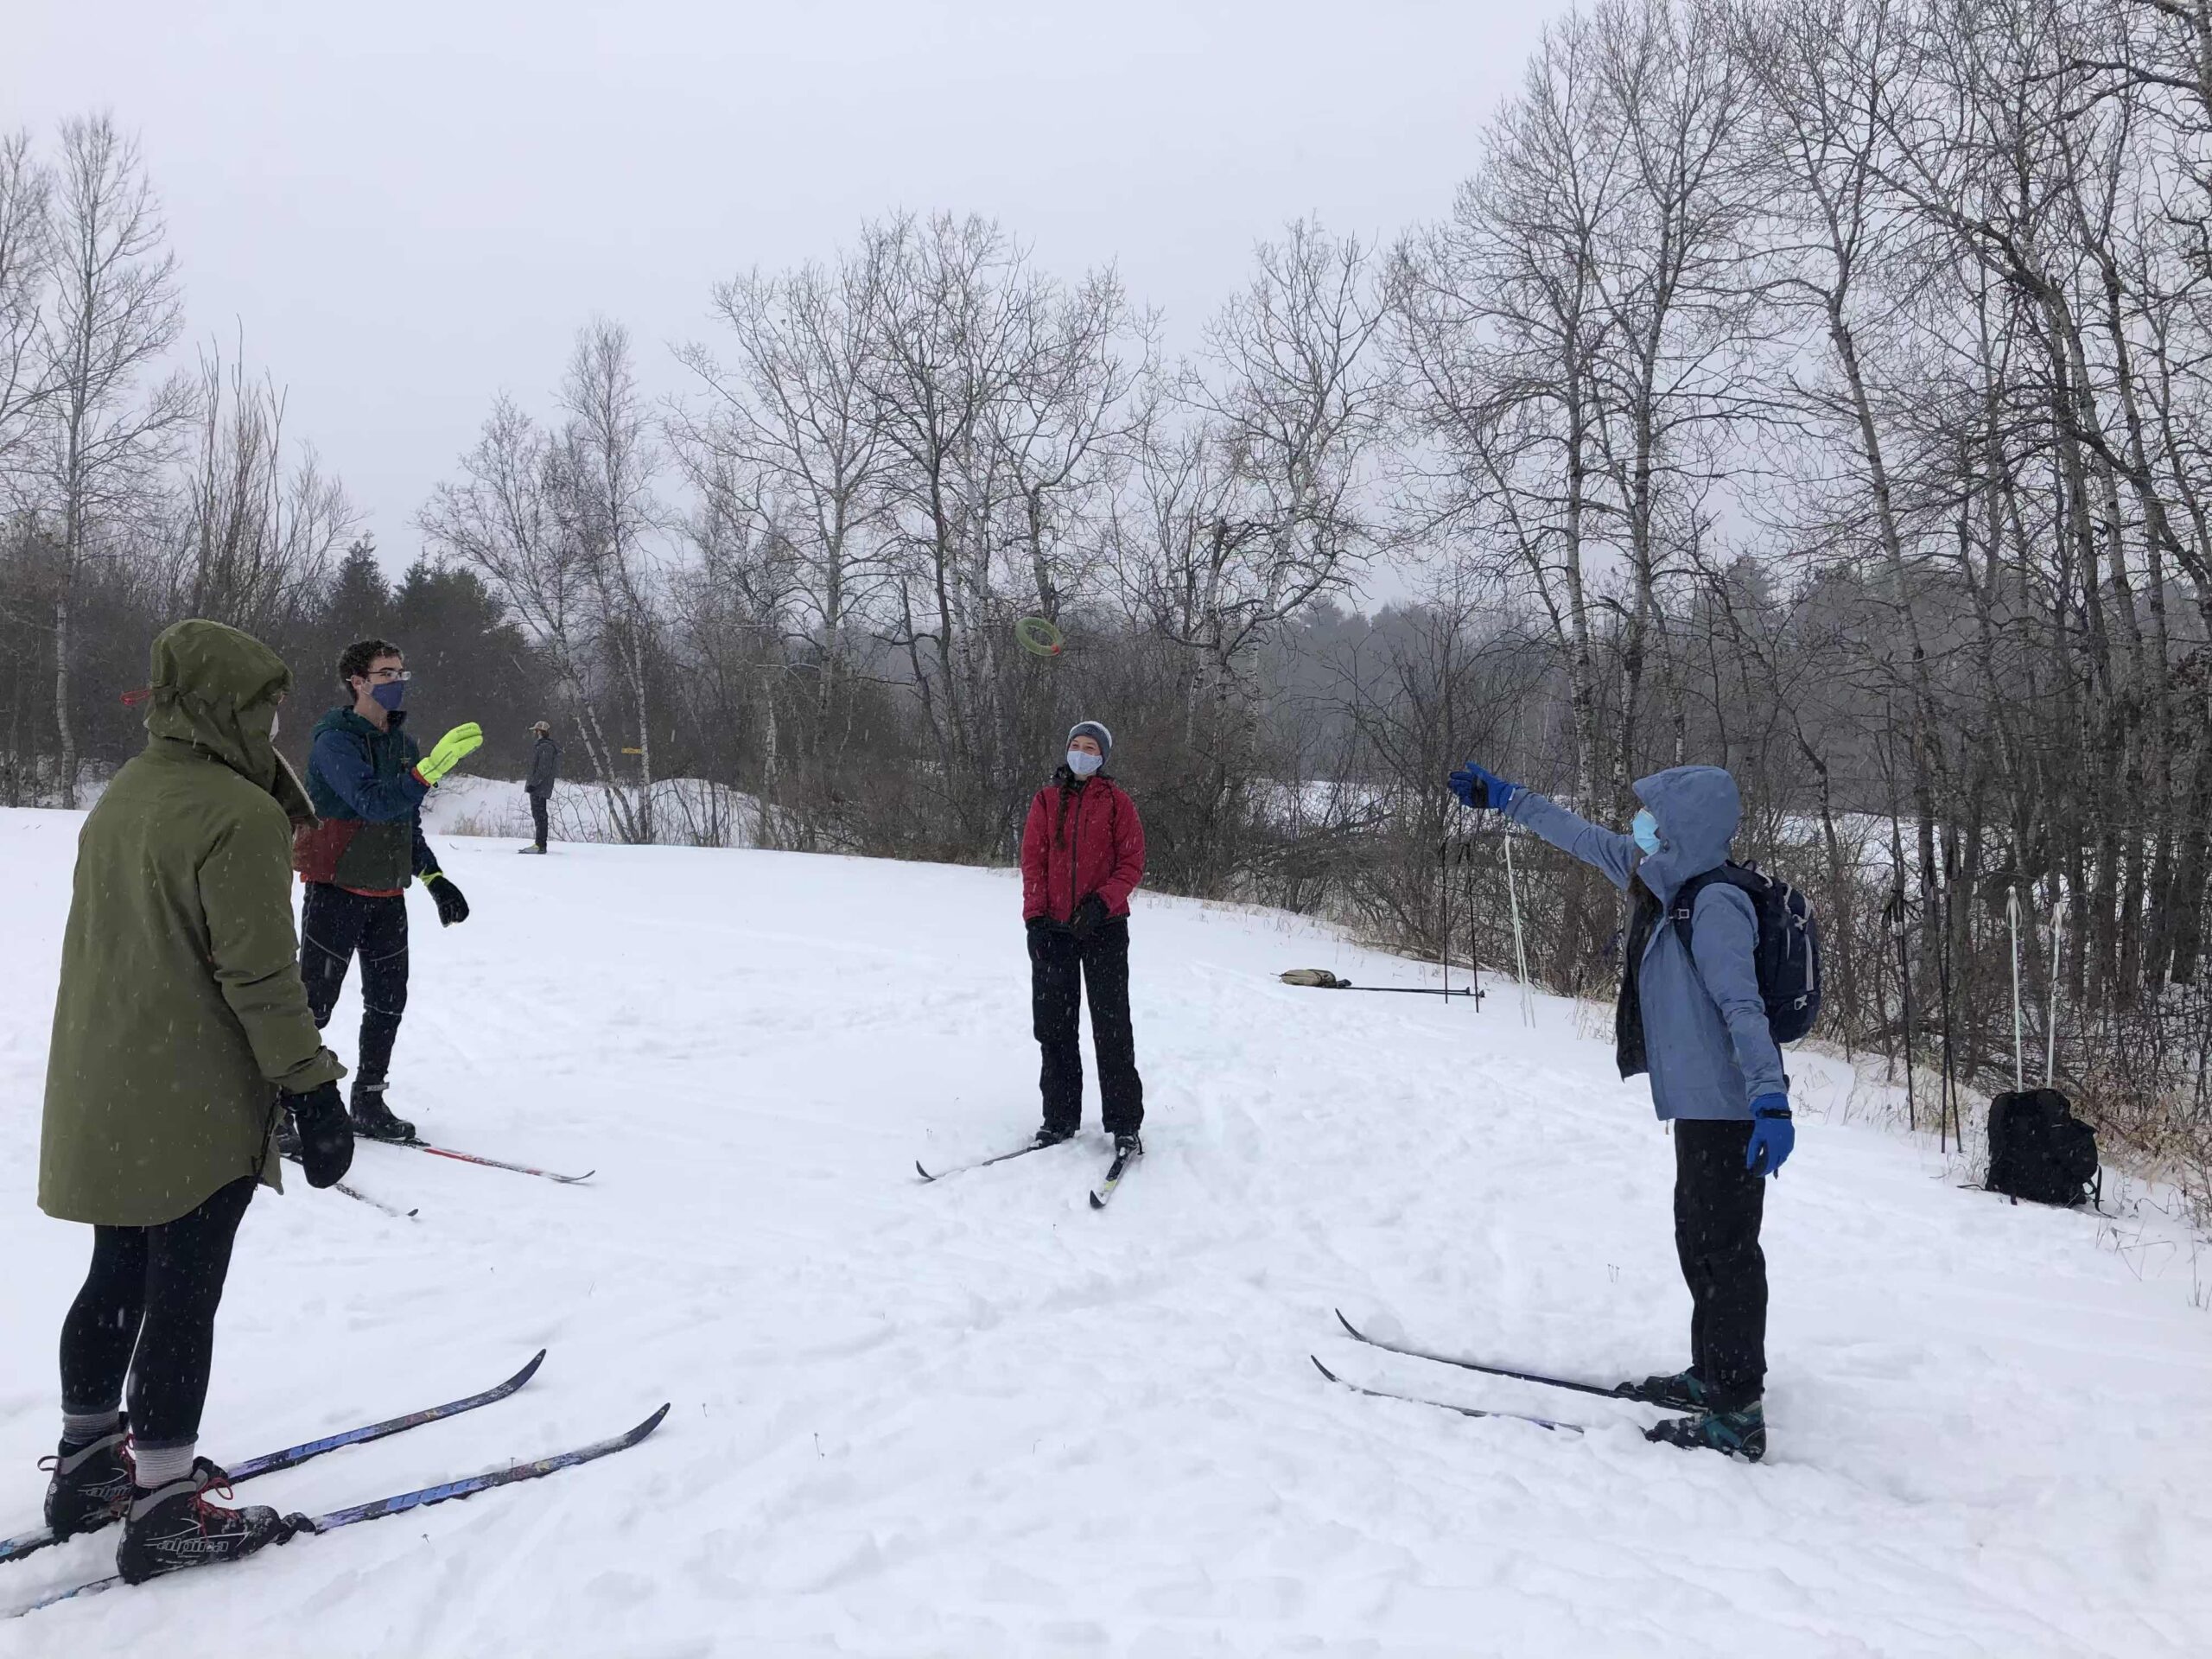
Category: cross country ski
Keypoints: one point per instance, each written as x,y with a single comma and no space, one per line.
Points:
295,1526
291,1456
981,1163
1126,1154
1444,1405
1614,1391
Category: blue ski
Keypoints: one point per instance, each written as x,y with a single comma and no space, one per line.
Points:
400,1503
270,1462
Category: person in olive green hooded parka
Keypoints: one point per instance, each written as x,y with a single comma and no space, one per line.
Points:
180,1015
180,1021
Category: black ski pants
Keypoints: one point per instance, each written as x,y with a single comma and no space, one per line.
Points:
538,816
1717,1207
1061,968
148,1310
334,925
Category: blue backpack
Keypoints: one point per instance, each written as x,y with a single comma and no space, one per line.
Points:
1788,956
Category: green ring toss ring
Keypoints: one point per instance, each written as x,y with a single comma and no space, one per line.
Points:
1038,636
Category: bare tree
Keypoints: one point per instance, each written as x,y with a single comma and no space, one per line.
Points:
256,531
1257,493
560,523
1505,330
1507,334
114,311
993,389
25,266
1680,294
606,459
504,521
792,423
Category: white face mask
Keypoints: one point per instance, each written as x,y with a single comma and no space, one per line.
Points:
1082,764
274,716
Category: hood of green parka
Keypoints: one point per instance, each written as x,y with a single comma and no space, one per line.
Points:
217,688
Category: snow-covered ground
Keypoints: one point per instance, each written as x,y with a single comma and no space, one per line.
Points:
976,1418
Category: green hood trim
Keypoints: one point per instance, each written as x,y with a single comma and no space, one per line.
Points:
217,689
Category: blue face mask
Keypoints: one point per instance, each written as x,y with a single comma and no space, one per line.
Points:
1082,764
1645,828
391,694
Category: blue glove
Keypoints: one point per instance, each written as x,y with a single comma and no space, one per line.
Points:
1773,1135
1476,787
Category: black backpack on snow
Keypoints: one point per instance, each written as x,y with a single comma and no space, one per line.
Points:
1788,956
2039,1150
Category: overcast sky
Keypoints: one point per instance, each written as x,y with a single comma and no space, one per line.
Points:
409,206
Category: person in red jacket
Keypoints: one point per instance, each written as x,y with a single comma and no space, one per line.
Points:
1082,855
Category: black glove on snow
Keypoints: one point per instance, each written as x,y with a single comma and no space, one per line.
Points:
452,907
1089,915
325,1133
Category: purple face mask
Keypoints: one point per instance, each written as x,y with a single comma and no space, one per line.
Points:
391,694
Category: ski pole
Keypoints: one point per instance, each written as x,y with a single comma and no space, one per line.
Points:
2050,1031
1404,990
1896,909
1520,953
1444,899
2013,919
1474,945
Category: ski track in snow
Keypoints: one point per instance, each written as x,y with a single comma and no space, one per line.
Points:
973,1418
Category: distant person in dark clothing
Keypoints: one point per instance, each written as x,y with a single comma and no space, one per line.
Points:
1082,855
544,770
367,779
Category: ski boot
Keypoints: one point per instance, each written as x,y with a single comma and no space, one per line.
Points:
1739,1433
1128,1146
373,1118
177,1526
90,1486
1049,1137
1677,1391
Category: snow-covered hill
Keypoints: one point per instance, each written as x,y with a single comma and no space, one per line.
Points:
976,1418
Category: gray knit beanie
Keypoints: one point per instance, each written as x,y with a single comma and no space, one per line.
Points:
1096,730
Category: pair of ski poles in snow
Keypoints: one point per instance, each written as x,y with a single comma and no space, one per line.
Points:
1513,903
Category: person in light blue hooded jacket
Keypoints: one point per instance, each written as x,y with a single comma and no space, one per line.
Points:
1692,1015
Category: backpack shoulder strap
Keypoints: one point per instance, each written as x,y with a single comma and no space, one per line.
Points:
1683,907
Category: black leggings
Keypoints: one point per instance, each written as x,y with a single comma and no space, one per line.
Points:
148,1308
334,924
